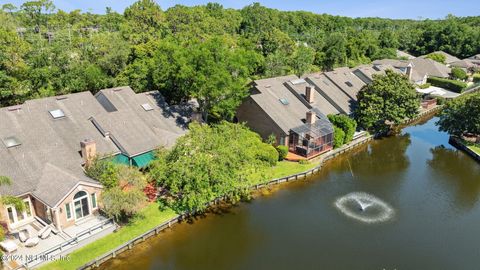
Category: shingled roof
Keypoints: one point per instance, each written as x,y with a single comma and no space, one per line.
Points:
40,139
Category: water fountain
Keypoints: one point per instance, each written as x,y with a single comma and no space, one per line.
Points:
364,207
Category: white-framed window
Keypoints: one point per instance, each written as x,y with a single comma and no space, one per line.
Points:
68,211
93,198
15,216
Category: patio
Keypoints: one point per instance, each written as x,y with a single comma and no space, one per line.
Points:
57,243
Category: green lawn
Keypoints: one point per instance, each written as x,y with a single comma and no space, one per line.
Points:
286,168
151,217
475,148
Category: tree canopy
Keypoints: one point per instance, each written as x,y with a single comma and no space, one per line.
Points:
46,51
389,99
461,115
210,162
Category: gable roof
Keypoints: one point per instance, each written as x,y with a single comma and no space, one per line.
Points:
429,67
366,72
269,93
48,160
448,57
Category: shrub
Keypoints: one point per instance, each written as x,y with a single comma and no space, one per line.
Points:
455,86
476,77
440,100
282,152
424,86
347,124
459,74
339,137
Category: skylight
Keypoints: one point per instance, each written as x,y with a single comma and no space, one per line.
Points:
56,114
298,81
147,107
284,101
11,142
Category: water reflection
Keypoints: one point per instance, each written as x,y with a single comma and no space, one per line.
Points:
459,171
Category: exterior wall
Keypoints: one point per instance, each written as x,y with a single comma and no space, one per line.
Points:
256,119
60,214
40,210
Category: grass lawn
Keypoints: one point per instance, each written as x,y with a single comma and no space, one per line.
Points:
151,217
475,148
286,168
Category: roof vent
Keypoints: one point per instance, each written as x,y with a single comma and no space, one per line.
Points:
11,141
268,86
14,108
57,114
298,81
349,84
62,97
147,107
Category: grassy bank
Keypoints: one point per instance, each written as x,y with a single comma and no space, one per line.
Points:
150,217
475,148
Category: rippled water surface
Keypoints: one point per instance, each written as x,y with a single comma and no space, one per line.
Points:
433,188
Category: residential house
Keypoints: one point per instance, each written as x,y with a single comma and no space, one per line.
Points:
277,106
448,57
404,55
46,142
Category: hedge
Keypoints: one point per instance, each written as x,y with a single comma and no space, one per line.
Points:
455,86
476,77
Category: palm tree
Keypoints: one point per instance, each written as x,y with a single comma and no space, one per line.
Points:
7,199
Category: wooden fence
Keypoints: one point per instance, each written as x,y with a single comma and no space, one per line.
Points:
303,175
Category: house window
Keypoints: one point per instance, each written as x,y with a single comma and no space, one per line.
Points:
28,211
94,200
20,216
68,210
10,215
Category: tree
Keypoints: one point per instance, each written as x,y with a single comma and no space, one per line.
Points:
210,162
459,74
35,9
338,137
144,21
461,116
10,200
302,60
347,124
440,58
389,99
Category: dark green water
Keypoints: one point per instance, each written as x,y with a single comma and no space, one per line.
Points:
433,188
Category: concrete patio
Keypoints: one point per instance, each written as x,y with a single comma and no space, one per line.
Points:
58,243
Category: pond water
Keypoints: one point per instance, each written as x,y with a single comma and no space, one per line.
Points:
432,189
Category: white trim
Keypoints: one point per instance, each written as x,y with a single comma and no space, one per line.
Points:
26,219
86,196
69,205
73,188
94,194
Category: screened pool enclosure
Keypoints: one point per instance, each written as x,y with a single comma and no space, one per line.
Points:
312,138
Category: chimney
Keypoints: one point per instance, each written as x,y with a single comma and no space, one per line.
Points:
409,72
311,117
89,150
309,93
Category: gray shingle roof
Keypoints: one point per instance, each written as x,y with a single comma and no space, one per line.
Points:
448,57
366,72
430,67
267,95
346,80
48,161
404,54
135,129
331,92
319,102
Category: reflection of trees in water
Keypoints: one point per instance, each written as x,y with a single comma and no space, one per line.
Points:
456,169
385,157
